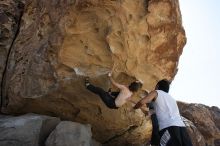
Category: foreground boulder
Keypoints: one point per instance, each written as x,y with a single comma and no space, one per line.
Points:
205,118
70,134
196,137
26,130
61,42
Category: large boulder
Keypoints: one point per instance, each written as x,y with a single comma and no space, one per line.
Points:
61,42
70,134
26,130
206,120
196,137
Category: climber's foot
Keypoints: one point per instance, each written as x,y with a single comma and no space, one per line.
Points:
87,83
109,90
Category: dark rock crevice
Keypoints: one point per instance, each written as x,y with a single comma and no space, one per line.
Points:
20,6
130,128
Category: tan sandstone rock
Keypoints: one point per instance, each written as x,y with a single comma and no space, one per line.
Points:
60,42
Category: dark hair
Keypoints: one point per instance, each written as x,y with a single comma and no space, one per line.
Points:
163,85
134,86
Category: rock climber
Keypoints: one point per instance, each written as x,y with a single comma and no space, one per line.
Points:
114,100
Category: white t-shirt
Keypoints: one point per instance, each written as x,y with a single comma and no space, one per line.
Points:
167,111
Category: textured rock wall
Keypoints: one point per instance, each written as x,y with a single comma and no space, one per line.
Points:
195,135
205,118
10,15
62,41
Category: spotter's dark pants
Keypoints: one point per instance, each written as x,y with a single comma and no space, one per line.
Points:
155,137
175,136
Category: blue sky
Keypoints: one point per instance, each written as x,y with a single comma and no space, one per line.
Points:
198,78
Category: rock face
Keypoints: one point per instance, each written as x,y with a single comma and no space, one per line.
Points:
26,130
60,42
70,134
195,135
206,120
10,15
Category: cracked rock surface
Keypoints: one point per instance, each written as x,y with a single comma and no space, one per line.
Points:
10,17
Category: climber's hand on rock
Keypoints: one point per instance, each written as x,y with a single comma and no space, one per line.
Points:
110,74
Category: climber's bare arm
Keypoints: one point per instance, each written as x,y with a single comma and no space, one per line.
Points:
120,86
144,108
152,95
